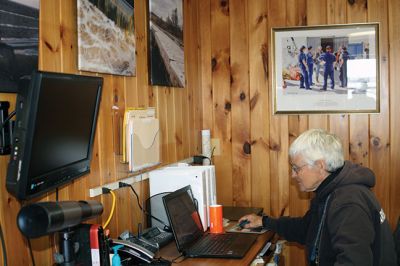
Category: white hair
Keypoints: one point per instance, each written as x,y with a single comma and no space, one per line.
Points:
317,144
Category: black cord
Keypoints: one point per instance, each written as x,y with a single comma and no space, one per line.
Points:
212,153
56,193
137,197
31,252
166,227
198,159
7,119
3,246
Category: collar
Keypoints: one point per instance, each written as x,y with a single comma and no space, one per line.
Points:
327,181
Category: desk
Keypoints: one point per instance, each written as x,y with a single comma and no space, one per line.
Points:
170,252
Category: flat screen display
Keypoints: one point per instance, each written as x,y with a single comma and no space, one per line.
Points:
184,217
63,124
55,128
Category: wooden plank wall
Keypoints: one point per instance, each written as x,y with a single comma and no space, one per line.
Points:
178,110
253,167
227,54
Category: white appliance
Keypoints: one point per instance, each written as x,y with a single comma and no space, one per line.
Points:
200,178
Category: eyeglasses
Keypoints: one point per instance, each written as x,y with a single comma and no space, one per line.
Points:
296,168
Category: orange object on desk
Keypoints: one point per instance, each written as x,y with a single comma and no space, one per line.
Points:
216,224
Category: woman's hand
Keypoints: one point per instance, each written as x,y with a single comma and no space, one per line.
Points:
254,220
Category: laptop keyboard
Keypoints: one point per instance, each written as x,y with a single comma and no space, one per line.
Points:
214,244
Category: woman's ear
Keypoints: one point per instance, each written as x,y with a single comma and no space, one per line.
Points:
321,165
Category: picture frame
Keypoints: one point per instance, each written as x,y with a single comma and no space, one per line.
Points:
106,37
340,63
19,42
166,43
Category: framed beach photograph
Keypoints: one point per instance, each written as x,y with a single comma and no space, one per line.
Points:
326,69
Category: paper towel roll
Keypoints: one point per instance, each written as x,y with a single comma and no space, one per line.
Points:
206,143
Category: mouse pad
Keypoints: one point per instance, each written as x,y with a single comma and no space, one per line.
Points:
237,229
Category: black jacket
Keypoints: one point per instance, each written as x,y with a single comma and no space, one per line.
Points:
355,230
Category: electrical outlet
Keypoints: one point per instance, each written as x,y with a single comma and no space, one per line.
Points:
215,145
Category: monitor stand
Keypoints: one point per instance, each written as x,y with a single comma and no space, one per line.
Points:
67,256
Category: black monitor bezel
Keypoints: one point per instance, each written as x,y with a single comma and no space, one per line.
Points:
61,175
187,190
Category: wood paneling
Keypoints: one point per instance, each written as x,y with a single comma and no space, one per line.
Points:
191,98
228,90
205,63
241,147
368,139
142,88
259,104
221,102
394,102
177,110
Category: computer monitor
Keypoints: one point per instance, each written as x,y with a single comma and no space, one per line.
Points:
54,132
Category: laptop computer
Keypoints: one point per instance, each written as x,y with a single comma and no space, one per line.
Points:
190,238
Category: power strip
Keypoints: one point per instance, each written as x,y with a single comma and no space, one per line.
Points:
93,192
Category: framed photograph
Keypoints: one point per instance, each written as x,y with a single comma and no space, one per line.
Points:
19,42
326,69
106,37
166,51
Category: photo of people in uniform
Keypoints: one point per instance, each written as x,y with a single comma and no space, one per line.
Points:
339,61
322,64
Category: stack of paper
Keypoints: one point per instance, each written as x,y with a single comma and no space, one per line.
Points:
141,138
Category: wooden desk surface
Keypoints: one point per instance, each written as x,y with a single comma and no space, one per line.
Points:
170,252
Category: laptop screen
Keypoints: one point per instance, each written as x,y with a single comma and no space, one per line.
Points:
183,217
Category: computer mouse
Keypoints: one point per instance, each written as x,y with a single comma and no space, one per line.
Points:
243,223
